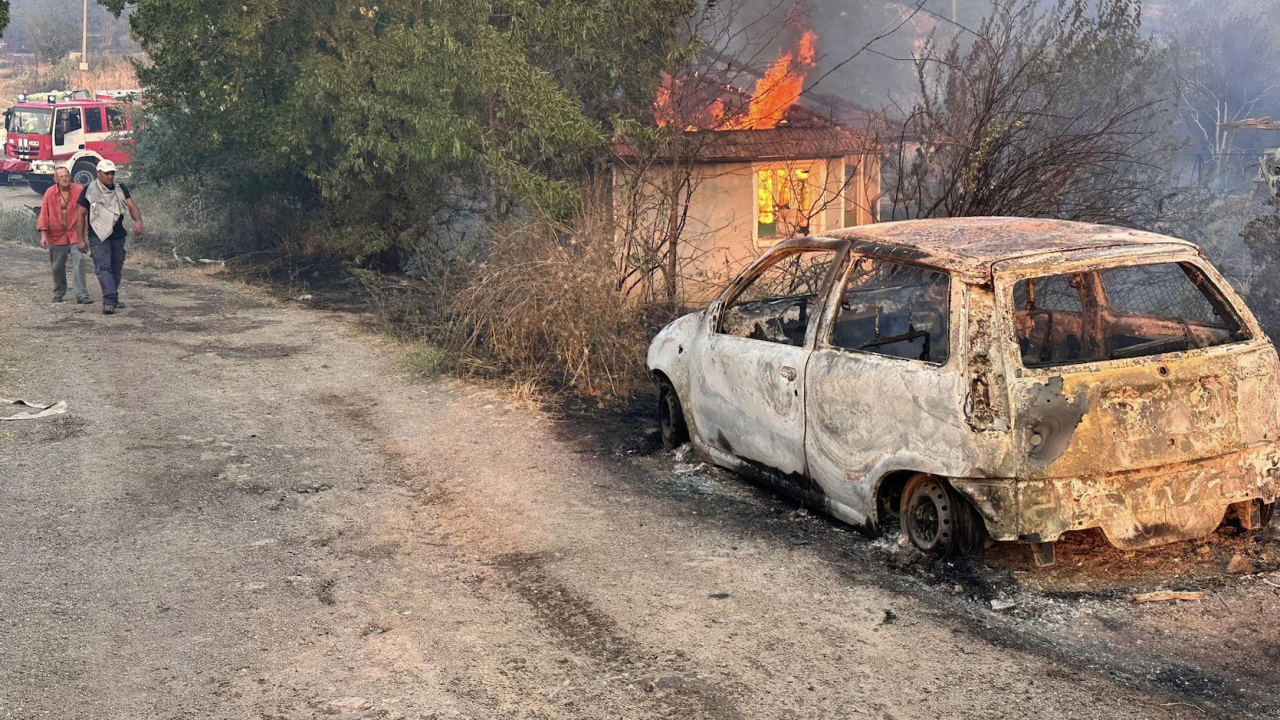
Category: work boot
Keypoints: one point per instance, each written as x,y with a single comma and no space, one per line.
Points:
119,304
86,300
57,299
108,309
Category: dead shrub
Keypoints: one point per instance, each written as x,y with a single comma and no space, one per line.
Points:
546,307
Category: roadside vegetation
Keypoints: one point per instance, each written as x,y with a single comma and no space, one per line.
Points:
451,161
18,225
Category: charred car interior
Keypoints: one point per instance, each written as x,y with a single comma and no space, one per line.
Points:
1119,313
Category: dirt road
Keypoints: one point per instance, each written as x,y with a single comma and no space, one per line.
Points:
251,512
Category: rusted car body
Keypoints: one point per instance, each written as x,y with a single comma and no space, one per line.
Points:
998,377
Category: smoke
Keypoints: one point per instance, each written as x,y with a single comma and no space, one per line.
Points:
865,47
106,31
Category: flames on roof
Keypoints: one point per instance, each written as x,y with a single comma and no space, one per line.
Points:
697,103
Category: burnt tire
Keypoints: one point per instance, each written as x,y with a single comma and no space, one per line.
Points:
675,432
84,172
938,521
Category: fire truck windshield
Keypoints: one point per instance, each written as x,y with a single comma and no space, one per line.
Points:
31,121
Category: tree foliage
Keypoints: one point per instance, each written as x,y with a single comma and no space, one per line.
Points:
367,112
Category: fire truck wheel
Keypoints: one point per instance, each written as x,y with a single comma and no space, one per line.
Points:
39,186
4,178
84,172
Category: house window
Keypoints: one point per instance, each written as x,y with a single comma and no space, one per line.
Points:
852,184
785,203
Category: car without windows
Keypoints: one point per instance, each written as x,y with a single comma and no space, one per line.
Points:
986,377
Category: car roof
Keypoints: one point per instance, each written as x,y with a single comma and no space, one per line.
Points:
971,247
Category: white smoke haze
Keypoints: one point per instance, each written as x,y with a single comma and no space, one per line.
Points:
30,18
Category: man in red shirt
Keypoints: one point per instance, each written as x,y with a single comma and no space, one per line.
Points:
60,233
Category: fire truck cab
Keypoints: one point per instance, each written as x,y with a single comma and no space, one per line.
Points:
74,130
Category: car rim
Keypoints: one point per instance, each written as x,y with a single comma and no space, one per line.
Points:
83,178
929,516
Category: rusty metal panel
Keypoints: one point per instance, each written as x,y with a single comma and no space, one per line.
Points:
1136,509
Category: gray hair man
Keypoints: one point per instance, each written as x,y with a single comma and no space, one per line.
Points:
102,209
59,213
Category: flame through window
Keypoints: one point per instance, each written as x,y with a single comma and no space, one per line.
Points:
786,202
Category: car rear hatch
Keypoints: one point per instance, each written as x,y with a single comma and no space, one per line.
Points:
1160,411
1128,381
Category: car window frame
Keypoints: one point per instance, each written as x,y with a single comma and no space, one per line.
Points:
766,261
827,329
1005,281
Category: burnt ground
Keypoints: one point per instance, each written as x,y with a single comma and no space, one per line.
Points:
250,511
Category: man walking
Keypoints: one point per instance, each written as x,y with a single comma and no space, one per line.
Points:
102,208
59,232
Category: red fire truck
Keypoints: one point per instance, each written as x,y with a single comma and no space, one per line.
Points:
74,131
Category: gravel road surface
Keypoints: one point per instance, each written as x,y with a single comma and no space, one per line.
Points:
250,511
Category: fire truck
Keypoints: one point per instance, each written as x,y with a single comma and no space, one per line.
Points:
72,130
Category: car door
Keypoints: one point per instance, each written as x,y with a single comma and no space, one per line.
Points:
68,133
748,398
884,390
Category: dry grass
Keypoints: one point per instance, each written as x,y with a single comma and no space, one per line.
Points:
19,225
109,73
545,311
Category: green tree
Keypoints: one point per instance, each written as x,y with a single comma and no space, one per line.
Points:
368,112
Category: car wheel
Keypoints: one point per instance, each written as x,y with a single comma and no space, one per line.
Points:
671,418
938,521
84,172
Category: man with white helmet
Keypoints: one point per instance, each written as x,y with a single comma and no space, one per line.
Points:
102,208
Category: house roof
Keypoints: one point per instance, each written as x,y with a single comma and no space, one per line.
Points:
973,246
781,143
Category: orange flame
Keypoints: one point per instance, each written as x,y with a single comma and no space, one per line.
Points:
773,96
779,89
668,110
663,111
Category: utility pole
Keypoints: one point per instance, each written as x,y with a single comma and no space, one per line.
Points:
84,38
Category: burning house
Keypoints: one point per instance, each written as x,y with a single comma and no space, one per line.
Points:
749,167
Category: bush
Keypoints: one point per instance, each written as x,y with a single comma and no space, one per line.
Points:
182,220
19,225
545,307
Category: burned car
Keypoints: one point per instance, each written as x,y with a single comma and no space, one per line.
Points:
985,377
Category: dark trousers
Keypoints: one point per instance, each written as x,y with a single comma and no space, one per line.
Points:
58,256
108,264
